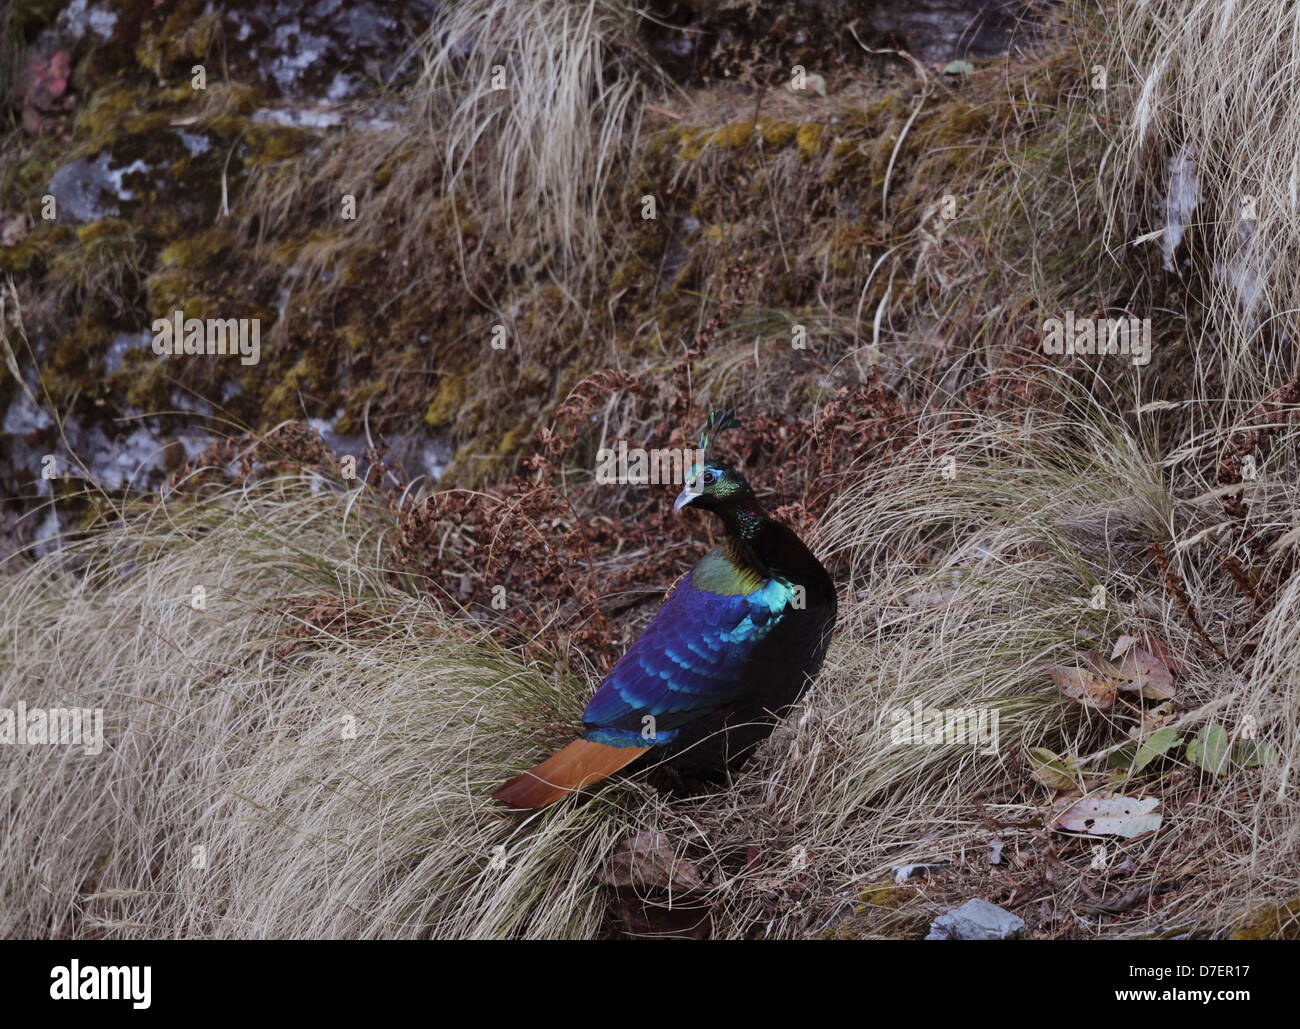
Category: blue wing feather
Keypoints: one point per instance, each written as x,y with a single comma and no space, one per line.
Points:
689,660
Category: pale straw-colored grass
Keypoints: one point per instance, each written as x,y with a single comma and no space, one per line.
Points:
535,107
1209,152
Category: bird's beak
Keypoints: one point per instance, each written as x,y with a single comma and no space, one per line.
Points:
685,497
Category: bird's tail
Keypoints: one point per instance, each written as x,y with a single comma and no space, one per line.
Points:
579,764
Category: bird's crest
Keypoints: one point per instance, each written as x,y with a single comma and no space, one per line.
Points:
713,426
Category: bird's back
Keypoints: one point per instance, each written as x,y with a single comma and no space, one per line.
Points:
728,651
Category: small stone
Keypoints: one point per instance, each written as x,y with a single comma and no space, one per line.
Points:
977,920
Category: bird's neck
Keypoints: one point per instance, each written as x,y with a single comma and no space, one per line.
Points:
744,522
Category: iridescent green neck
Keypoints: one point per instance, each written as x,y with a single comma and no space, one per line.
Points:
743,519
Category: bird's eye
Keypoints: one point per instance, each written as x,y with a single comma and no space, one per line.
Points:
709,478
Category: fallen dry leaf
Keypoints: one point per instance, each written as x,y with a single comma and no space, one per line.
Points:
1084,685
1107,815
648,860
1149,675
1150,665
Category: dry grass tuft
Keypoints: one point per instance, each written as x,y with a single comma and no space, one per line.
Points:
536,107
1208,158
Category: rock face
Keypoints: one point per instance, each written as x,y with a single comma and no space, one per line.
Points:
292,49
87,190
692,37
941,30
324,48
125,180
977,920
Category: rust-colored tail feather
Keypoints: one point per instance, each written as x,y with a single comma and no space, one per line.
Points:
579,764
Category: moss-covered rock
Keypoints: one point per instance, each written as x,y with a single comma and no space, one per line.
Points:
1280,921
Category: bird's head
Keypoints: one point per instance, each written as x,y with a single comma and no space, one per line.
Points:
711,484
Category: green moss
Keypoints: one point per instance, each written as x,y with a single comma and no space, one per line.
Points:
850,157
810,138
359,399
271,144
185,38
238,99
513,441
384,173
100,257
884,895
25,253
207,248
629,274
692,140
197,39
72,369
1271,922
734,136
231,126
283,402
875,115
447,403
186,273
355,337
102,118
357,269
104,231
146,383
955,122
778,134
24,180
464,467
171,291
649,242
661,144
146,123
